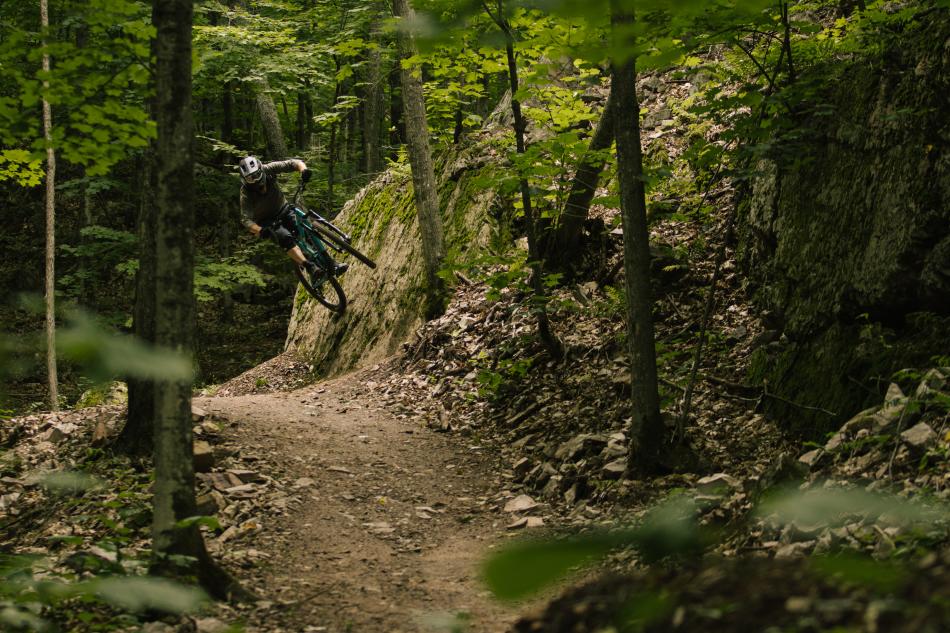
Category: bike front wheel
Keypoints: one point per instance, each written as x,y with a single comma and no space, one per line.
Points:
325,288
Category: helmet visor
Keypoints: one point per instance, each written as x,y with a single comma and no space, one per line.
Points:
254,177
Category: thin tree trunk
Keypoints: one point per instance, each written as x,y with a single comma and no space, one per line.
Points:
301,122
372,109
271,122
567,239
397,127
50,225
550,341
423,173
173,302
309,105
333,150
646,425
227,110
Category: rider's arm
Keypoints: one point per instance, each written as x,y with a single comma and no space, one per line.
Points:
246,218
285,166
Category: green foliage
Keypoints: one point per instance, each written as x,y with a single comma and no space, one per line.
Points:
527,567
671,529
214,278
95,88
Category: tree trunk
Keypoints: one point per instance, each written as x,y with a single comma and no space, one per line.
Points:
646,425
550,341
227,111
50,226
423,173
309,106
301,122
373,107
567,239
276,145
173,304
332,149
397,127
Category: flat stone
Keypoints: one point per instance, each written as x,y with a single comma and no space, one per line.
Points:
811,457
835,441
522,467
198,414
720,483
919,435
569,449
207,505
210,625
614,469
204,457
521,503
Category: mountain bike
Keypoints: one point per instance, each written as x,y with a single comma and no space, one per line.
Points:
314,234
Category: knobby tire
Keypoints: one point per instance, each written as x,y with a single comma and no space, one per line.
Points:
330,281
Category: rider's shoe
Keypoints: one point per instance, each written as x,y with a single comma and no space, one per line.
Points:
310,267
340,269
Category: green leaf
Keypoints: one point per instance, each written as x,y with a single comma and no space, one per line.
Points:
68,481
140,594
524,568
209,522
885,576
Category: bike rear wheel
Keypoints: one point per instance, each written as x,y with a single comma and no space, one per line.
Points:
342,244
325,288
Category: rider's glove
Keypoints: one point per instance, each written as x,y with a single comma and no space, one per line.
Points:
305,175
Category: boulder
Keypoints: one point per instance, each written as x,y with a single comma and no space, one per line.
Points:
919,436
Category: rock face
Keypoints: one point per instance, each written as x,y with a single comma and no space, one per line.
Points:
386,304
847,233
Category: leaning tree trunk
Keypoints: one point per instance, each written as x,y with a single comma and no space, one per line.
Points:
646,425
276,144
567,240
53,381
423,173
173,304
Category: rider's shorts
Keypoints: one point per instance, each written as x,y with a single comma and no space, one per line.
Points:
282,230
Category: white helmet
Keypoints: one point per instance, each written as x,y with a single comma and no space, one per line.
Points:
252,171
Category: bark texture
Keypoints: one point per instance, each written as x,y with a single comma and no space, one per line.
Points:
423,173
567,239
646,425
373,108
173,304
52,379
276,145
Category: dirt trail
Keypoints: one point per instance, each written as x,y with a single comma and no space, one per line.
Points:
389,534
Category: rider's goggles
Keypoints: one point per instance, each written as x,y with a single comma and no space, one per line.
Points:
254,178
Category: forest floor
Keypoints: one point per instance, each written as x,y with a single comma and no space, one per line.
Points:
385,524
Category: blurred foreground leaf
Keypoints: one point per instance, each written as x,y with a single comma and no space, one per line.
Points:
852,568
526,567
68,481
668,529
139,594
836,506
105,355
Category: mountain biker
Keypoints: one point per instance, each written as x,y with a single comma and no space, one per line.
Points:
263,206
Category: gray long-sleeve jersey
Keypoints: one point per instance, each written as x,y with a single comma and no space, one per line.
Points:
262,208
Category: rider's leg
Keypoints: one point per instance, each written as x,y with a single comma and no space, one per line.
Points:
289,244
297,255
